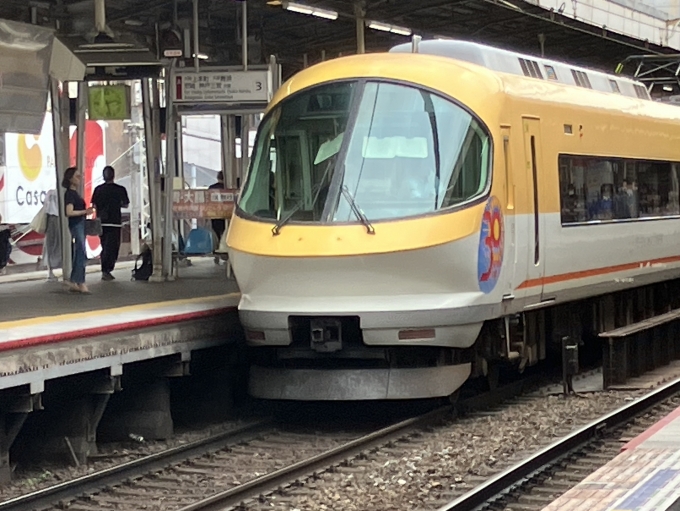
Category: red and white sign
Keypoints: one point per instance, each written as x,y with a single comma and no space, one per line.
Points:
30,172
28,175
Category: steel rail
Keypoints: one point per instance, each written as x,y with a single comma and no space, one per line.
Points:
116,475
516,475
323,461
91,483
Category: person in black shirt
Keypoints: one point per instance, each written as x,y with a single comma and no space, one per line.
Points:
76,213
108,199
218,224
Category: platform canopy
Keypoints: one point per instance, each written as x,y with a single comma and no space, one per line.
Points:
29,56
281,28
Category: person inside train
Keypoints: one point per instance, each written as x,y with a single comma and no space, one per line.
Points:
569,205
76,213
625,202
602,209
108,199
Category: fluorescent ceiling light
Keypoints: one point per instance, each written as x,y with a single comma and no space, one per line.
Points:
668,88
201,56
385,27
311,11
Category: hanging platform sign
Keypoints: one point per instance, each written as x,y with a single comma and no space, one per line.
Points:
223,86
212,203
109,103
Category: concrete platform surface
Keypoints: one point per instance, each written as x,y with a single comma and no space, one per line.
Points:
35,299
47,332
644,477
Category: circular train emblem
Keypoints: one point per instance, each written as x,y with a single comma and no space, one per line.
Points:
490,258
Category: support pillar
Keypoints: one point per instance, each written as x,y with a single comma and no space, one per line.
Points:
244,34
228,137
150,100
360,13
81,122
69,432
143,410
61,160
245,135
10,425
169,177
72,433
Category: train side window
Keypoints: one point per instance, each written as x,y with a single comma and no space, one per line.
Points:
581,79
611,189
550,71
615,86
641,92
530,68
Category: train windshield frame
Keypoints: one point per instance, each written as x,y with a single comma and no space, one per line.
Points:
365,150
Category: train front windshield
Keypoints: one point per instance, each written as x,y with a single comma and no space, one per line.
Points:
387,150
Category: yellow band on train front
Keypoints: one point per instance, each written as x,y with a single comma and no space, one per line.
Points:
313,240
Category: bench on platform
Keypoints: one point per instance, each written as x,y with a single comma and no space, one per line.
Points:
634,349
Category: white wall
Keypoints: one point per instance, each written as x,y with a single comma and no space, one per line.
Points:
648,20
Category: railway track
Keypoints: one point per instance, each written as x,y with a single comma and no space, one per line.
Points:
266,466
231,467
539,479
68,490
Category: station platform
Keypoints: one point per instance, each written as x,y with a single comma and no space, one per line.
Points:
67,356
644,477
48,332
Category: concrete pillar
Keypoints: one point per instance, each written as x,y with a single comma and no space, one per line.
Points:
60,126
10,425
151,110
70,432
141,410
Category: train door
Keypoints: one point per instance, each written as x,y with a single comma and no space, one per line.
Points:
510,221
535,222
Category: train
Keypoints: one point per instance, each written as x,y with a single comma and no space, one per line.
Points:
415,218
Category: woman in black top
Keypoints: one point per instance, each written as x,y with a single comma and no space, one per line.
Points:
76,213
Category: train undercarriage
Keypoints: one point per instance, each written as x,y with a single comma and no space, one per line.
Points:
328,360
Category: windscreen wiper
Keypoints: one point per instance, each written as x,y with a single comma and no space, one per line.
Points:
316,190
357,210
277,228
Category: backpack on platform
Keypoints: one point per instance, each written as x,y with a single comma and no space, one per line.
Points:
144,271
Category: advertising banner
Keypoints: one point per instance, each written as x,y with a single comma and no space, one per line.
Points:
30,172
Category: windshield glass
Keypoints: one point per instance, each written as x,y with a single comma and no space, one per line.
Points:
407,152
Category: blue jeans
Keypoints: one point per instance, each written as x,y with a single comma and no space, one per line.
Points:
79,257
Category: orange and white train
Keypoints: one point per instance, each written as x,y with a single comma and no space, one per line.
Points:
414,218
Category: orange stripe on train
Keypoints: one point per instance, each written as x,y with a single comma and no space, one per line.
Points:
553,279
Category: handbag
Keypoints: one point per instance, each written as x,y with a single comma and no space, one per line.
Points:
39,222
93,227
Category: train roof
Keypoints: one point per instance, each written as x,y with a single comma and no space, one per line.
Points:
511,62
